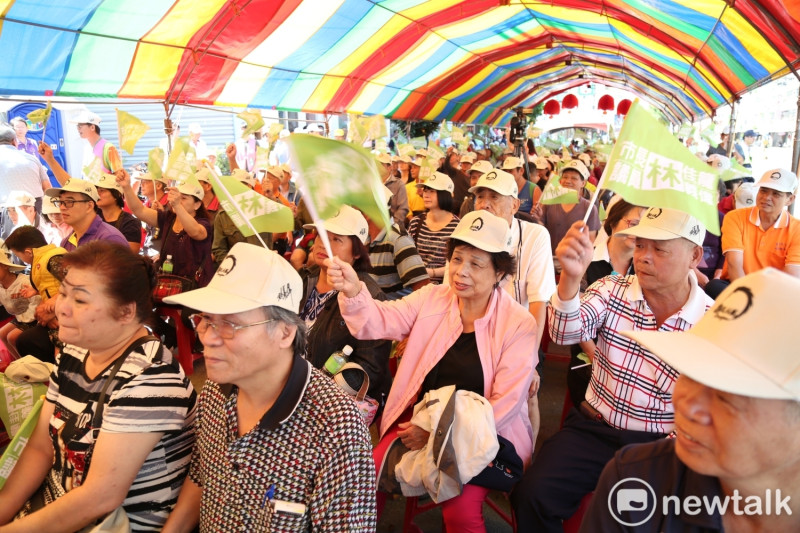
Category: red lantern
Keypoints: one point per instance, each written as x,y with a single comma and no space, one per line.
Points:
623,107
569,102
606,103
552,107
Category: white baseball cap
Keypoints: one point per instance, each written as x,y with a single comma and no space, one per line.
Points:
203,175
663,224
190,189
18,199
438,181
384,158
578,166
48,207
541,163
483,230
720,162
482,166
499,181
585,159
86,117
745,344
275,171
779,179
249,277
511,162
745,195
465,159
74,185
5,260
244,176
347,221
108,181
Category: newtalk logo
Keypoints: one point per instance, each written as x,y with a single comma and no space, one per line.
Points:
632,502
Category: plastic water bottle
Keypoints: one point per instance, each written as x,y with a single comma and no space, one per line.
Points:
166,266
337,360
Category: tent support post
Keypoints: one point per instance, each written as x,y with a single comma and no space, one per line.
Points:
731,129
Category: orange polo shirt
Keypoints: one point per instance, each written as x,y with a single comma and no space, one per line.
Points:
775,246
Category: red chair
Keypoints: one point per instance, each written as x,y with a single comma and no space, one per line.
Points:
573,523
414,508
185,335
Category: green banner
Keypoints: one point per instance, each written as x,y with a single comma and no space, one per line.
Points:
244,204
650,167
11,455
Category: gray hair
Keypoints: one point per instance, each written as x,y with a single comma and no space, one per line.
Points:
7,134
289,318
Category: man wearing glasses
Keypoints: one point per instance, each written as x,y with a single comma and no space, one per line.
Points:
77,200
279,447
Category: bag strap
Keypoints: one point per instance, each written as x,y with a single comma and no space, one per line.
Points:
339,379
97,419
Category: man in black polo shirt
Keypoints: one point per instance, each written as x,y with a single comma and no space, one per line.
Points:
279,447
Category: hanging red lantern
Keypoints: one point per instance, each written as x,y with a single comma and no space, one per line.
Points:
569,102
623,107
552,107
606,103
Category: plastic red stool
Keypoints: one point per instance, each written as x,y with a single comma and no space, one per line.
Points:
185,335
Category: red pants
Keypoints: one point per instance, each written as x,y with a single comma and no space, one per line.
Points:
464,513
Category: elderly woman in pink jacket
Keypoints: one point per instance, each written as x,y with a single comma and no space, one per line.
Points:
469,333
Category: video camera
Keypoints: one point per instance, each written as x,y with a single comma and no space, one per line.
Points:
516,130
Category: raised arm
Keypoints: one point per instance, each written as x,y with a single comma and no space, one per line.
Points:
58,171
146,214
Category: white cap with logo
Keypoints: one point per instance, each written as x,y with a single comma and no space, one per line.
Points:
663,224
481,166
484,231
499,181
19,199
779,179
248,278
348,221
74,185
108,181
578,166
745,344
511,162
86,117
438,181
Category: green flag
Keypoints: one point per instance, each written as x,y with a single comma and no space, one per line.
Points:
444,130
736,171
94,170
555,193
601,212
419,142
686,130
357,130
708,134
337,173
40,116
405,149
245,205
434,151
179,168
155,162
275,130
253,121
130,129
262,158
376,127
23,434
649,166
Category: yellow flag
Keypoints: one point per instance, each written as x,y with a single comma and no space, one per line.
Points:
262,158
274,131
40,116
253,120
131,130
376,127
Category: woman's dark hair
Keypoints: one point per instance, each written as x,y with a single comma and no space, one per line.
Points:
25,237
501,261
361,262
129,277
117,197
616,213
444,199
202,211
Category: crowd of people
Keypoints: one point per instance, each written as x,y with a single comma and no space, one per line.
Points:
455,295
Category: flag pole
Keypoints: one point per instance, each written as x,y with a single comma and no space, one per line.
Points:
235,206
312,210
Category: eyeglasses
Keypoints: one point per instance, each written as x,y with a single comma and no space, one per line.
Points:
224,328
69,203
631,222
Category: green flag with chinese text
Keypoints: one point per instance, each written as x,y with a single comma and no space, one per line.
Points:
244,204
337,173
648,166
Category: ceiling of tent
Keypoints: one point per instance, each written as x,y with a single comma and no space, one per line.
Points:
467,61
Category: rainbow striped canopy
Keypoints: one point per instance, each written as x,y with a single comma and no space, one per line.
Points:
467,61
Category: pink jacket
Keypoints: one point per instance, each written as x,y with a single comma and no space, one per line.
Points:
430,318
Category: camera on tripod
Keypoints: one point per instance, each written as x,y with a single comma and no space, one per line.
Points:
516,133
